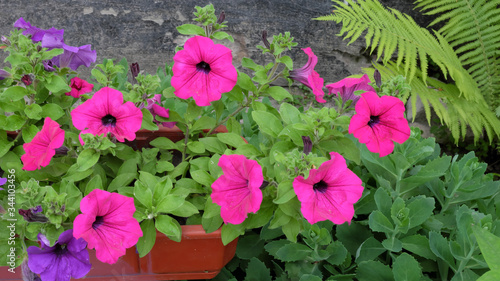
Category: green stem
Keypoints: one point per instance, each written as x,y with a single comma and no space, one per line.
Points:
186,139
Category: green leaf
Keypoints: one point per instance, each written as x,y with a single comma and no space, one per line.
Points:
220,35
122,180
420,210
52,110
231,139
204,122
202,177
374,271
13,122
213,144
294,252
250,64
143,194
392,244
441,248
170,203
310,277
289,113
99,76
278,93
14,93
5,144
369,250
249,246
406,268
380,223
87,159
190,29
47,55
229,232
383,201
285,192
257,271
419,245
148,239
186,210
169,226
490,276
245,82
57,85
163,143
268,123
338,253
147,120
94,183
33,111
489,244
29,133
196,147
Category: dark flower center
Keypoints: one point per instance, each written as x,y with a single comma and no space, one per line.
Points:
109,120
60,249
373,121
98,221
203,67
320,186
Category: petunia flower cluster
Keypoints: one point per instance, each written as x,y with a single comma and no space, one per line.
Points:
72,57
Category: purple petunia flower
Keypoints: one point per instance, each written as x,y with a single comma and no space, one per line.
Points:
4,74
66,259
73,57
2,182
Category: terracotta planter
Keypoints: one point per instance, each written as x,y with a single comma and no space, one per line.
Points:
198,256
144,137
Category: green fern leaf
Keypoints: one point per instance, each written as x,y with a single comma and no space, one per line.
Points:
391,30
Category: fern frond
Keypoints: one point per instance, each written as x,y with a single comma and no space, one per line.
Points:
390,30
452,109
472,27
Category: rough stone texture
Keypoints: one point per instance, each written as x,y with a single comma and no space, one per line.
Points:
144,31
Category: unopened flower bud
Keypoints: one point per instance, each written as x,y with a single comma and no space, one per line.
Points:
33,215
4,74
264,185
26,79
134,69
221,18
307,144
5,40
378,78
63,150
264,39
38,48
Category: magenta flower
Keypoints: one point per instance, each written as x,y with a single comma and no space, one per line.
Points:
329,192
347,86
378,122
237,191
43,146
307,76
203,70
107,224
67,259
106,113
79,87
153,105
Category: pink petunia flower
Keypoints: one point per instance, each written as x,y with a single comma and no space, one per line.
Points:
329,192
79,87
347,86
237,191
203,70
107,224
378,122
106,113
43,146
307,76
153,105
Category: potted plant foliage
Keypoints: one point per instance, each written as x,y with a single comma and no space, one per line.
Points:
96,185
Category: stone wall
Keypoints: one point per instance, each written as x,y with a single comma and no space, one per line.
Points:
144,31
